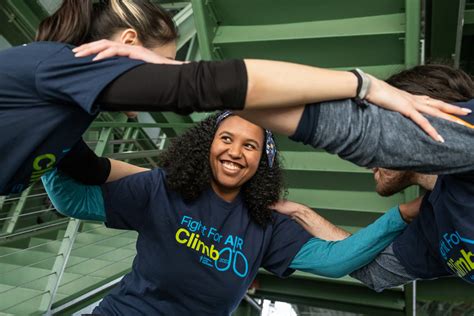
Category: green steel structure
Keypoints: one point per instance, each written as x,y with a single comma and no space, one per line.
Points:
50,264
336,34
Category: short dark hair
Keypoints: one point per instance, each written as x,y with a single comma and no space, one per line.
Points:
438,81
188,172
79,21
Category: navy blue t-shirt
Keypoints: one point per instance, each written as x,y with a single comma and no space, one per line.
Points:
196,258
440,241
46,103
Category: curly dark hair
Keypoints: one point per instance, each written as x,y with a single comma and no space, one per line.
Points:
188,172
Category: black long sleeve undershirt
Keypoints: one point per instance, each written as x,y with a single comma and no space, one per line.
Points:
83,165
197,86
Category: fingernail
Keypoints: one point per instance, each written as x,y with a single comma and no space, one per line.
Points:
440,139
466,110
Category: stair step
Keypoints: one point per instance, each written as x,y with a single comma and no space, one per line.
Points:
85,251
36,279
24,277
80,284
30,306
29,257
115,268
117,241
19,296
87,266
94,228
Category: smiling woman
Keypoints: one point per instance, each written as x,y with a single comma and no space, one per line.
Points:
205,225
227,153
235,155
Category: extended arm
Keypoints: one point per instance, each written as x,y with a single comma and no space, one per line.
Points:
266,84
122,204
373,137
338,258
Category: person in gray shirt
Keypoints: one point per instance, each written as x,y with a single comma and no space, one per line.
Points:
439,242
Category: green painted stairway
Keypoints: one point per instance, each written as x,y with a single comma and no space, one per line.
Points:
52,265
99,255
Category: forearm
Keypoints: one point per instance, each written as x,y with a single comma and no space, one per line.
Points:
83,165
120,169
373,137
198,86
281,84
74,199
338,258
317,225
282,121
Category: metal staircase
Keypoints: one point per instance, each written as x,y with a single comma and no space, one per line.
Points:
50,264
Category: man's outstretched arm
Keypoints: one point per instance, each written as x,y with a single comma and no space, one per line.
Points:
373,137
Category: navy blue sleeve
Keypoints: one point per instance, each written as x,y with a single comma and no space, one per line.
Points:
287,239
63,78
126,200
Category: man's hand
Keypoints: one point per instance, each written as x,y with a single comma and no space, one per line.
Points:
311,221
411,209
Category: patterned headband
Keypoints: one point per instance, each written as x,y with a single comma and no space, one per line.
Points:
270,147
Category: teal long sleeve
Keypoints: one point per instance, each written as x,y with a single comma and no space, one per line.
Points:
338,258
74,199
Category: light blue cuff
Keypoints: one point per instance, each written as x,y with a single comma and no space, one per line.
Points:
74,199
338,258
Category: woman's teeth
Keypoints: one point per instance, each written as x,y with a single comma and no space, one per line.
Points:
230,165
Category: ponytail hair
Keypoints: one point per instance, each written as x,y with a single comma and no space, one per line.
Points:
79,21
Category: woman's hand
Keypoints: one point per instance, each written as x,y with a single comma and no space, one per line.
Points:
412,106
106,49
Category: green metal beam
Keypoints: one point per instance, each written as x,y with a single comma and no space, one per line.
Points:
22,16
184,20
445,22
360,26
206,26
328,291
412,33
451,289
193,53
140,125
318,161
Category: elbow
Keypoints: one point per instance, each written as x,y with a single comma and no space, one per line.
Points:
336,274
330,272
63,207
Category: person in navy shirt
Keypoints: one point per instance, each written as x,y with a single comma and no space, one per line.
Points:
440,241
205,224
48,97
